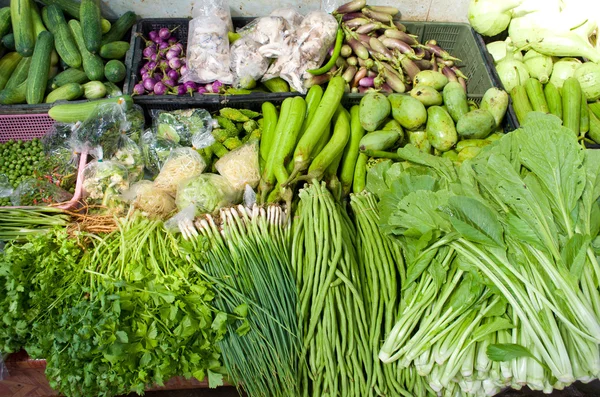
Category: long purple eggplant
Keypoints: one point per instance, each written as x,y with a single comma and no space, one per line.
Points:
423,64
394,81
439,52
352,6
359,49
449,73
378,46
409,67
399,35
349,73
376,15
358,23
362,72
352,15
385,9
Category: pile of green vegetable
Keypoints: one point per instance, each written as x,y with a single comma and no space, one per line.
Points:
52,58
488,246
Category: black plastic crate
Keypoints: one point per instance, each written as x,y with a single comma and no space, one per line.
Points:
44,107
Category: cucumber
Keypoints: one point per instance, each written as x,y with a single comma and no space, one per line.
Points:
39,69
74,112
73,8
584,119
94,90
553,99
114,50
89,15
67,92
106,25
277,84
8,63
571,102
4,20
593,133
115,71
520,102
120,27
594,107
36,19
536,96
8,41
92,63
63,37
20,74
68,76
14,95
22,24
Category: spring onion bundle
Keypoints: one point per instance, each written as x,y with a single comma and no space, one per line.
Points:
246,257
18,223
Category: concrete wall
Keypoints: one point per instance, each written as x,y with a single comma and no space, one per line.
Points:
417,10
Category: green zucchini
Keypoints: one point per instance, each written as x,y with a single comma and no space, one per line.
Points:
89,16
120,27
68,76
74,112
14,95
39,69
94,90
22,24
115,71
4,20
571,103
63,37
67,92
20,74
8,63
8,41
92,63
114,50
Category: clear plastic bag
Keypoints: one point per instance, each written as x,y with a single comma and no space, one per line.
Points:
135,123
186,127
214,8
38,192
248,65
104,181
272,33
61,161
100,133
329,6
182,163
206,193
149,199
241,166
155,151
6,188
129,155
293,17
207,55
183,222
308,49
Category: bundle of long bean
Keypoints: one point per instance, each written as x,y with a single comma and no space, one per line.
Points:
337,356
247,258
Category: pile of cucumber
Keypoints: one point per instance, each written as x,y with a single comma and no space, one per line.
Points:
569,103
63,50
435,116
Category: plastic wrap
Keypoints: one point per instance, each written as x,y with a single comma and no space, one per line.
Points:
207,55
104,181
329,6
248,65
149,199
38,192
135,123
214,8
182,163
308,49
186,127
183,222
100,133
155,151
272,33
206,193
61,161
249,196
241,166
293,17
5,186
129,155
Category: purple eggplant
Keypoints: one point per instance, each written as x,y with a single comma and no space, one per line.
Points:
171,54
346,51
352,15
139,89
359,49
149,83
349,73
175,63
153,35
423,64
463,82
378,46
160,88
376,15
352,6
439,52
173,74
202,90
367,28
386,89
409,67
366,82
385,9
362,72
148,51
180,89
449,73
394,81
400,35
357,23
